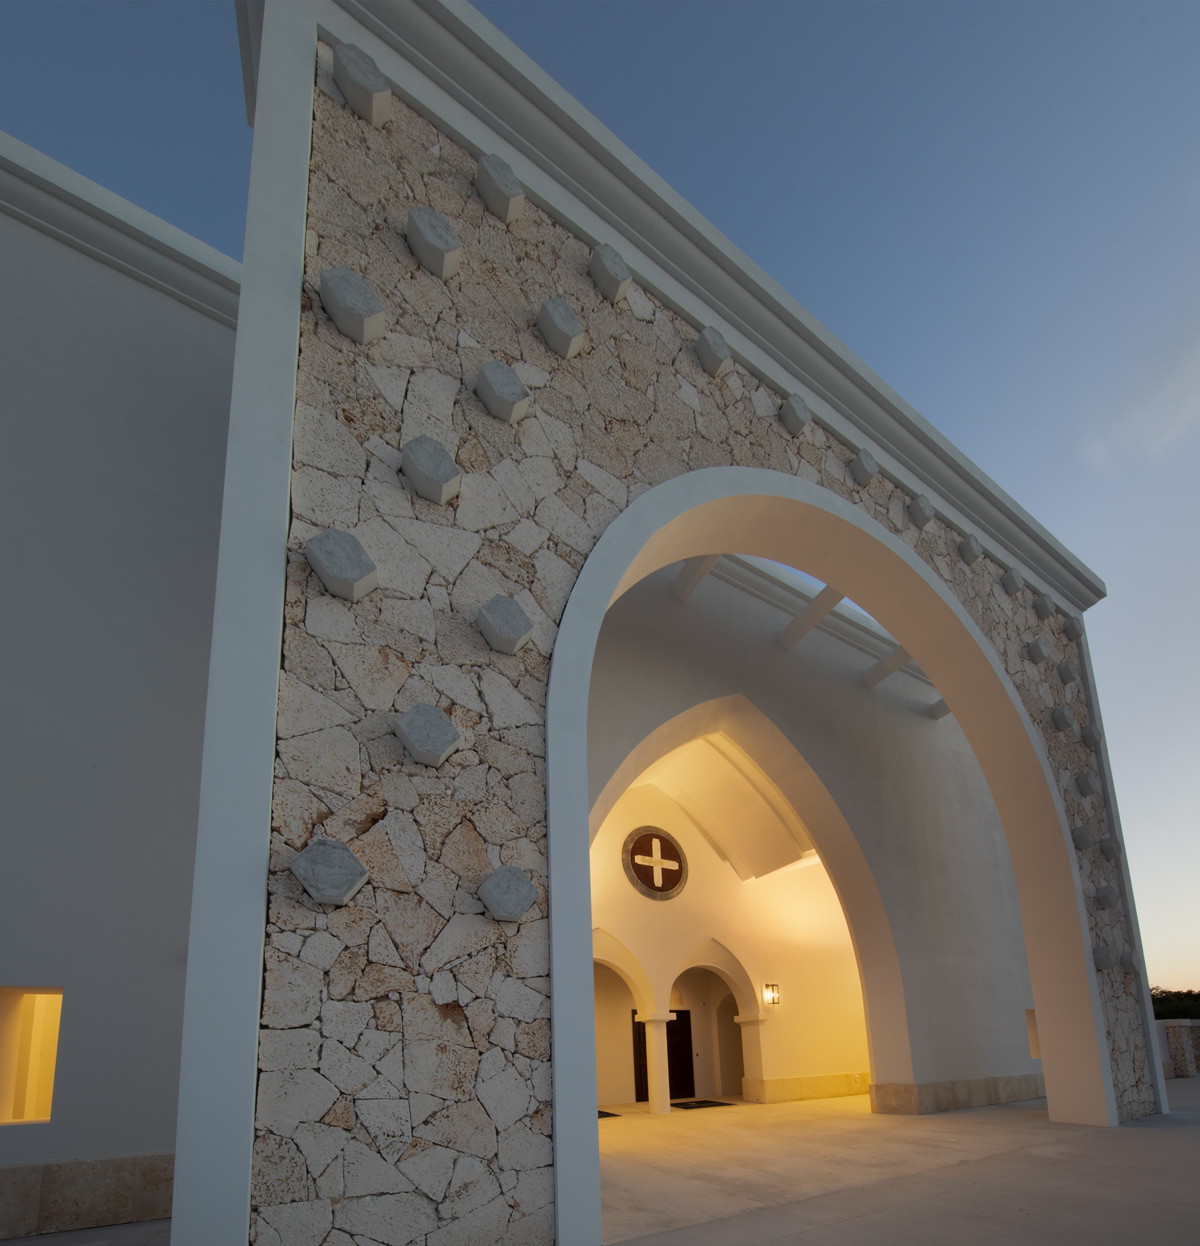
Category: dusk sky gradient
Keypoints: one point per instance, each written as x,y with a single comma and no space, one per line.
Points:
995,205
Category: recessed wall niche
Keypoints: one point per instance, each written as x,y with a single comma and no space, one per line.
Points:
29,1019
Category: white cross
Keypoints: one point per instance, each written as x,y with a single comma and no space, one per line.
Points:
657,860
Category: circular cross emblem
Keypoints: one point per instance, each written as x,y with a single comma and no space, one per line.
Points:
654,863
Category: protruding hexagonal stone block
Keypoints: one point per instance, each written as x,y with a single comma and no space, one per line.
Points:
341,564
1091,735
610,273
365,88
1103,958
1082,837
1012,581
505,626
1043,606
969,550
430,469
352,305
1106,897
713,352
499,188
1129,962
559,325
1073,627
428,734
1088,784
502,391
1110,849
507,893
794,414
920,511
432,241
1037,650
1064,718
329,871
1067,670
862,468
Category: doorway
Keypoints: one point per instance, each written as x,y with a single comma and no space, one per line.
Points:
681,1073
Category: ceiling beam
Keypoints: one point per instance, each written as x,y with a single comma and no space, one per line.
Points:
690,575
886,666
809,617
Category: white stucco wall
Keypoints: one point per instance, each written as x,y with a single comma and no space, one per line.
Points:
116,398
908,786
614,1037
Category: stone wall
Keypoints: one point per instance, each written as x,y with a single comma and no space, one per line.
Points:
404,1092
1182,1047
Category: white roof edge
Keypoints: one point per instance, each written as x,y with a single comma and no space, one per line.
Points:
249,27
65,205
481,89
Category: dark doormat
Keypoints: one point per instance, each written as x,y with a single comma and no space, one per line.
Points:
601,1113
688,1104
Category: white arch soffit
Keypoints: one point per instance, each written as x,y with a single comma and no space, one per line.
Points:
728,773
879,972
754,511
714,956
609,951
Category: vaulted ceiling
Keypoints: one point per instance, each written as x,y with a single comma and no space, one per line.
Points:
732,803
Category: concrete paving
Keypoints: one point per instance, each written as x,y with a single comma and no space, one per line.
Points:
828,1173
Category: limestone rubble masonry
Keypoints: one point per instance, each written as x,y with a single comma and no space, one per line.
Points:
469,1108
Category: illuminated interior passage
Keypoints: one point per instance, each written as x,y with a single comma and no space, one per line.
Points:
740,967
29,1023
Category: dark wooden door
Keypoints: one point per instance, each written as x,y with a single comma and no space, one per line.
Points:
681,1071
681,1075
641,1080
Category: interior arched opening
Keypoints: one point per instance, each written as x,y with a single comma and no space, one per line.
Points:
748,964
760,766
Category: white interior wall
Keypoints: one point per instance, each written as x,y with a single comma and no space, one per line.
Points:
116,401
729,1048
787,928
614,1037
909,787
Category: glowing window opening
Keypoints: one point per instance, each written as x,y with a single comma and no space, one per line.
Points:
29,1023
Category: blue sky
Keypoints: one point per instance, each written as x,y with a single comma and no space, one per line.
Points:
996,206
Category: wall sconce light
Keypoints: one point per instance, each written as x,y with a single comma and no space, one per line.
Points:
771,993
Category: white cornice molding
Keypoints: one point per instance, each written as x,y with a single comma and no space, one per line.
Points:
456,69
60,203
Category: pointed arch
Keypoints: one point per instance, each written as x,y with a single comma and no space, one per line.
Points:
714,956
737,717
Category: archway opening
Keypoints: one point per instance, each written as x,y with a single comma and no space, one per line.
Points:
714,1058
742,902
785,520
